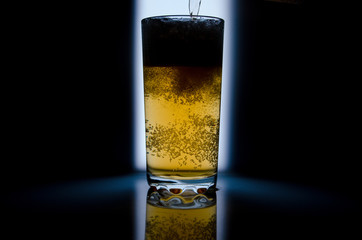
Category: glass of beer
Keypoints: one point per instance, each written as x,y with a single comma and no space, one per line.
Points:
182,65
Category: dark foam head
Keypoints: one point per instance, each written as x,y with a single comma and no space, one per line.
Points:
182,41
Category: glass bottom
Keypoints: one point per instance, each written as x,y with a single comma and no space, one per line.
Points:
178,183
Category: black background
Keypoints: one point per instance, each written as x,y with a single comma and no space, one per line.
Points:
296,106
69,101
67,106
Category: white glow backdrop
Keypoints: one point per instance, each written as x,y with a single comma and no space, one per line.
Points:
217,8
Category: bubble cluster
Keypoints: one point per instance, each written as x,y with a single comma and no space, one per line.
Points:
184,144
182,107
180,227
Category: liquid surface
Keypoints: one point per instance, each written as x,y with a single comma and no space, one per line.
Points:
182,108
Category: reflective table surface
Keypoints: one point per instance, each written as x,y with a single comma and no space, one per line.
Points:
117,207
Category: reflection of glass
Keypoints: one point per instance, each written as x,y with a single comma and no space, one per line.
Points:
180,216
182,59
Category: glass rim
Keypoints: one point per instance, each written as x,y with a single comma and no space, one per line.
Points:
185,16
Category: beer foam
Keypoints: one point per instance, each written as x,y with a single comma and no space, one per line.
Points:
174,40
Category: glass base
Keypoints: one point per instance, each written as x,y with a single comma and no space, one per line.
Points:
179,185
186,200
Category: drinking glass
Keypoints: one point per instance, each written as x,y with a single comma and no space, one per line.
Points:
182,66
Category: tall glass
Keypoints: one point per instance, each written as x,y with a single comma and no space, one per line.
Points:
182,63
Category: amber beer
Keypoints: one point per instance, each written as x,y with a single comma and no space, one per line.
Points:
180,217
182,59
166,224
